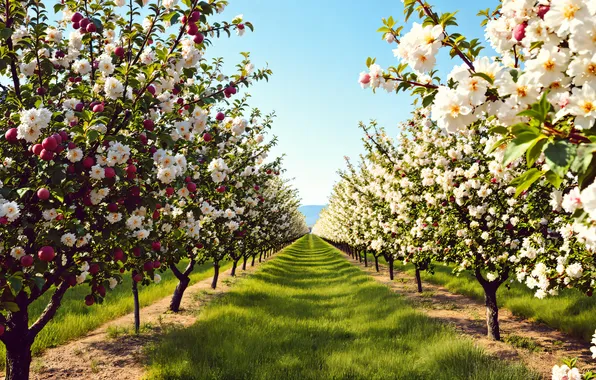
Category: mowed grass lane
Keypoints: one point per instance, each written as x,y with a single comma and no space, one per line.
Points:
309,314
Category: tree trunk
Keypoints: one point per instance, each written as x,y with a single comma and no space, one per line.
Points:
18,345
215,275
252,264
244,264
390,267
365,259
234,265
377,263
260,256
183,281
178,293
490,298
418,280
18,361
492,312
135,295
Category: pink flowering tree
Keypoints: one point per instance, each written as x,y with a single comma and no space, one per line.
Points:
93,104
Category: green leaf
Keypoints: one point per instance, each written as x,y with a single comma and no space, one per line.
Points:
587,178
585,155
5,33
59,195
536,45
484,76
524,181
518,146
553,178
559,156
534,151
10,306
532,113
16,285
22,191
523,127
499,129
92,135
427,100
39,282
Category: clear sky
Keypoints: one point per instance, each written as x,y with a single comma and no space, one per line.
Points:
316,49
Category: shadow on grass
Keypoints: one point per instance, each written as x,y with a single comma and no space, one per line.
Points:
309,314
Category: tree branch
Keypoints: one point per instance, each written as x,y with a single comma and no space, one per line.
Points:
49,311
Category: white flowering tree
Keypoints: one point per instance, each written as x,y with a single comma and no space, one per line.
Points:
450,200
535,94
537,91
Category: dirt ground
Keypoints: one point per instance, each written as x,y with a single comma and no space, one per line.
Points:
113,351
468,317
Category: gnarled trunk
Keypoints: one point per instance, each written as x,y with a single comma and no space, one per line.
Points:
490,300
183,281
20,336
252,264
215,274
244,263
18,346
178,293
492,313
18,360
365,258
377,263
418,280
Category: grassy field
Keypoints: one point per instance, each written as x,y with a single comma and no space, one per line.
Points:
74,319
571,311
309,314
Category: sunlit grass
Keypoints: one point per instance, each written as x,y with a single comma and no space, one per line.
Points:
571,312
309,314
74,319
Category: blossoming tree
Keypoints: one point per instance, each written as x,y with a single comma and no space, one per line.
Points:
535,94
452,201
100,109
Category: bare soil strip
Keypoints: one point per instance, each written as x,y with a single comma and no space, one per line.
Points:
468,317
113,352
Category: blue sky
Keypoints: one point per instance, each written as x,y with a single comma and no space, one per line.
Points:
316,49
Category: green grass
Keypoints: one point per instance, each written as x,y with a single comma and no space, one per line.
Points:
74,319
571,312
309,314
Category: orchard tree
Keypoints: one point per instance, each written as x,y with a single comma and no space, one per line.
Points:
536,93
95,101
454,203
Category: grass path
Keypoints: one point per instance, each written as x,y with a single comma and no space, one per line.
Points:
112,351
310,314
74,319
537,345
